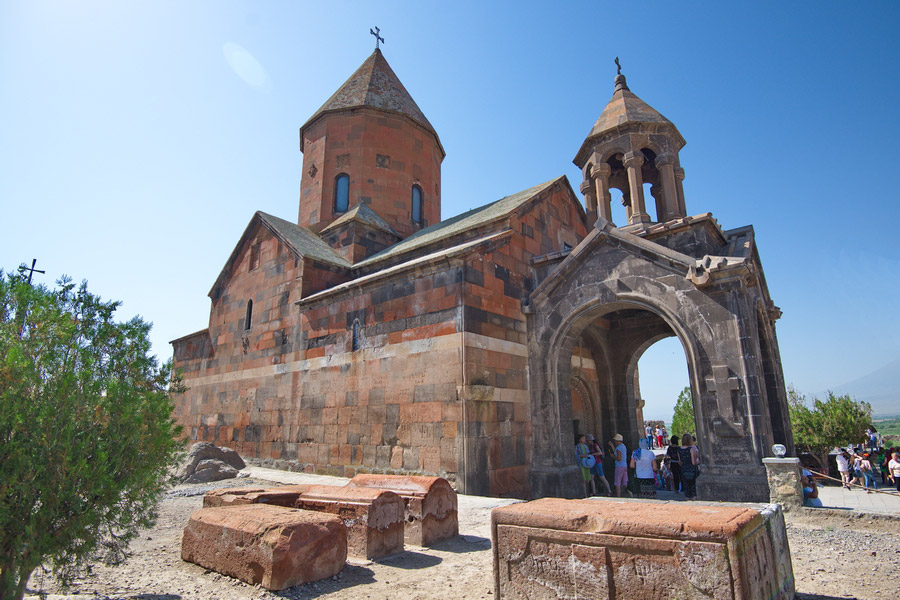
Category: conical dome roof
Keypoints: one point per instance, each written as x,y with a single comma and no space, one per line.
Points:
625,109
374,85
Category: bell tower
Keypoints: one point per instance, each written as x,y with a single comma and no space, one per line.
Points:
632,144
370,144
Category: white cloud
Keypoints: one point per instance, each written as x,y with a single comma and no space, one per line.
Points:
245,65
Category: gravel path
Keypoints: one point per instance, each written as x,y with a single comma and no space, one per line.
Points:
834,557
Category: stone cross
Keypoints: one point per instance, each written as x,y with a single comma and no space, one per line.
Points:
31,271
378,38
722,385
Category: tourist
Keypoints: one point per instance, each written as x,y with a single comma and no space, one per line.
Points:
585,459
643,461
690,466
872,438
894,470
843,465
665,438
857,470
672,453
884,456
648,433
597,469
665,475
659,437
810,489
619,451
868,473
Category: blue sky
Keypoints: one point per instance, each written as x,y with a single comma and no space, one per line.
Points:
139,138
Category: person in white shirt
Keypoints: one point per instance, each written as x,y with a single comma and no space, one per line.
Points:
843,465
643,461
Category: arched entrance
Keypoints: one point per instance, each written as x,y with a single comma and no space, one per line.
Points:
609,300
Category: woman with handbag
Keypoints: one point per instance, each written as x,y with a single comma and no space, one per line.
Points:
586,461
690,466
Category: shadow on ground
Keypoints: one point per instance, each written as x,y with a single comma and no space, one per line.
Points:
410,559
350,576
464,543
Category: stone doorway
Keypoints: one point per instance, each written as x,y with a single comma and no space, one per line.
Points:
609,300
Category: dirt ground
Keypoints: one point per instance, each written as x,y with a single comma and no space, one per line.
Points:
834,557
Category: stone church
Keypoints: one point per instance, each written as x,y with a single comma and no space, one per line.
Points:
369,335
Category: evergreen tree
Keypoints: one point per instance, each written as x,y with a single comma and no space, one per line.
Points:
819,426
683,419
86,430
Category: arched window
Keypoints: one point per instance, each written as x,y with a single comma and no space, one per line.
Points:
417,205
341,193
355,341
249,315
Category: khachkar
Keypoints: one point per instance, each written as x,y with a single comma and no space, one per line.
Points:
626,287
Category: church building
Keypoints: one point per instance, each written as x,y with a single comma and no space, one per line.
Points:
370,336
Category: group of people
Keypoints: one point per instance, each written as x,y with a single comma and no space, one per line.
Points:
677,470
860,468
657,437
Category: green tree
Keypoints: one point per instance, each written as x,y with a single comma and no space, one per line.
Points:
683,419
819,426
86,430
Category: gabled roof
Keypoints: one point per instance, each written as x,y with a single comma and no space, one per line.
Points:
363,214
467,221
299,240
374,85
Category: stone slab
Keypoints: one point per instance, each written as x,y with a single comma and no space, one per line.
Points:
285,495
430,503
374,518
555,548
270,546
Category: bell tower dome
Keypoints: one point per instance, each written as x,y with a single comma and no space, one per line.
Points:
370,144
632,144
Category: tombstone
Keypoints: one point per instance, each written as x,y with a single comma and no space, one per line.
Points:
285,495
374,518
555,548
430,504
270,546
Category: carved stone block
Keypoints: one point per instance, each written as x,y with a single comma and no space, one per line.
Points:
554,548
272,546
430,504
374,518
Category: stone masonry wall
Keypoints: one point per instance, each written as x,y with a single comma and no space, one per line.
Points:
496,410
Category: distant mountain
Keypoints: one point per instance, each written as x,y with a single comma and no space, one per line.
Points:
880,388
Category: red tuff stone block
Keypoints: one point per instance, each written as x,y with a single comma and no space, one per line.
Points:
430,503
553,548
285,495
374,518
272,546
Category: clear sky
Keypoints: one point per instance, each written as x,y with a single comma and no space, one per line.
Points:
138,139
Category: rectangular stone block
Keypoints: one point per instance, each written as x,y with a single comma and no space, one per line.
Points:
374,518
272,546
285,495
430,505
590,549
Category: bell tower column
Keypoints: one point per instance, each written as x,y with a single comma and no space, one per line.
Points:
633,163
590,203
600,173
679,183
665,164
